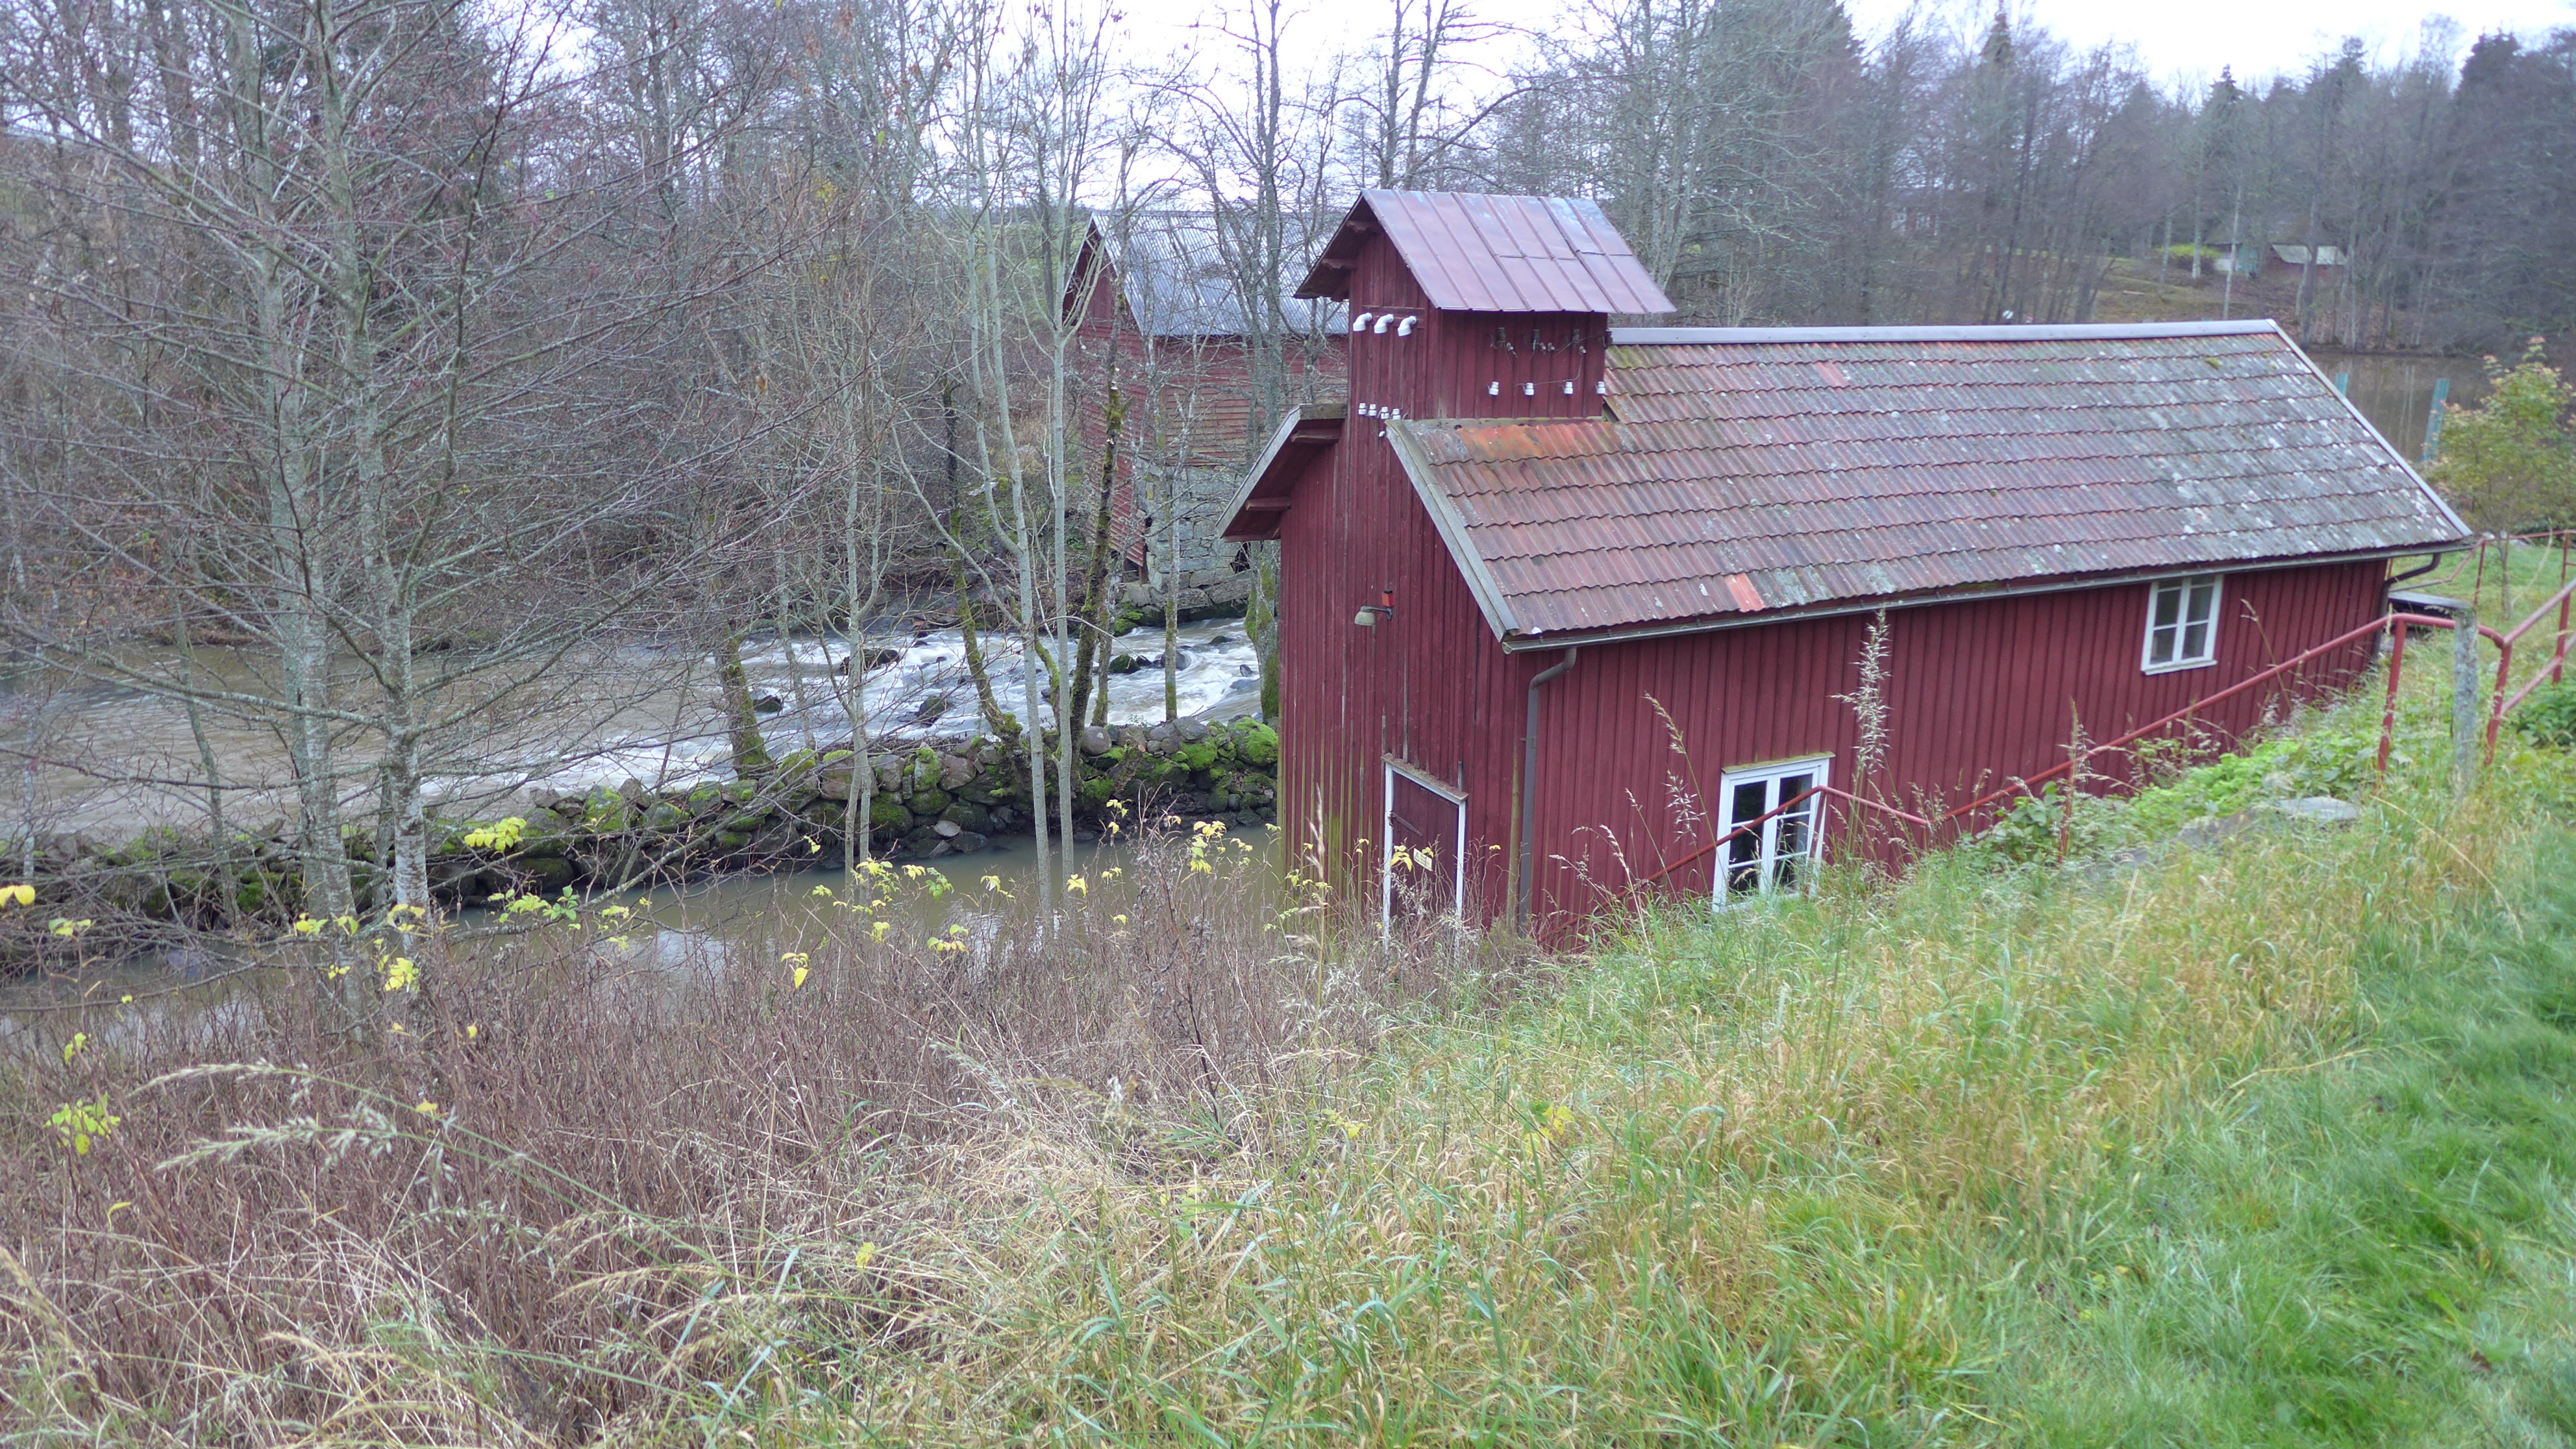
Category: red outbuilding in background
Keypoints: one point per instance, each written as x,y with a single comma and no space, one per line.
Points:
1157,299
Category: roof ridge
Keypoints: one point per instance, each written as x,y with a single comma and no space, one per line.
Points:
1984,332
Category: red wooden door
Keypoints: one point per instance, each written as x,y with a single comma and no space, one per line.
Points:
1423,871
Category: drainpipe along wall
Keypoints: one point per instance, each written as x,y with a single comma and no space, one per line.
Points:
2428,566
1529,790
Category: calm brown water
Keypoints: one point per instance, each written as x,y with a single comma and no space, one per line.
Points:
745,921
2396,392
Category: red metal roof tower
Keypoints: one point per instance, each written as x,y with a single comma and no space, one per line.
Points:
1460,306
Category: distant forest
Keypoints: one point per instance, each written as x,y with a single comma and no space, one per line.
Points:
1777,167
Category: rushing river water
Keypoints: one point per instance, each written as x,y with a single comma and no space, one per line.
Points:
111,758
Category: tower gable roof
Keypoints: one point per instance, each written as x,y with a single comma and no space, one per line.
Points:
1477,253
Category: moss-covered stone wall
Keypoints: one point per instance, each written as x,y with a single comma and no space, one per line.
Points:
932,799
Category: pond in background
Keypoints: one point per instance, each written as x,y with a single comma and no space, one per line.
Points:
2395,390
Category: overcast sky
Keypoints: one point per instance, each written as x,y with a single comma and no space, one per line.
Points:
2193,38
2175,39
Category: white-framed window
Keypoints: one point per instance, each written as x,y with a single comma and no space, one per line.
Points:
1780,852
2182,623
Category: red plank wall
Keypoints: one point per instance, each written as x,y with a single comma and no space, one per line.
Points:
1203,409
1430,685
1978,693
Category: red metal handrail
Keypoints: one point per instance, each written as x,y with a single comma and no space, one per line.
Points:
2505,704
2563,538
2023,786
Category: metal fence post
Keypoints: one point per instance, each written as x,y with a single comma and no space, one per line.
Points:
2464,701
2433,420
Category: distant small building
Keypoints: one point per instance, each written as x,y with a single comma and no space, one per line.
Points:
2249,257
1564,604
2289,254
1161,299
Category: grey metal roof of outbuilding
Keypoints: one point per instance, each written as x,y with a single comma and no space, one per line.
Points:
1476,253
1747,471
1177,279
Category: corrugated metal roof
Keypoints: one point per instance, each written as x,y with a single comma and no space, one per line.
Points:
1175,274
1476,253
1788,470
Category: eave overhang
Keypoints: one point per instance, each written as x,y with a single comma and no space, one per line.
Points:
1260,505
1330,277
1971,593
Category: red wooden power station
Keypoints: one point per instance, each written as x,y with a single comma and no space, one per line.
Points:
1562,603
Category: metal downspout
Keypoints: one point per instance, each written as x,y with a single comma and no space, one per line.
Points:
2435,562
1529,788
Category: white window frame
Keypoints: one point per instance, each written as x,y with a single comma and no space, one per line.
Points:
1386,840
1767,857
2181,586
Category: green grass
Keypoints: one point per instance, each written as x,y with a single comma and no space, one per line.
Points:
2265,1145
2372,1250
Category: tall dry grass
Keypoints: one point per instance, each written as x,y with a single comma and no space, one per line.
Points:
585,1185
1804,1175
1192,1168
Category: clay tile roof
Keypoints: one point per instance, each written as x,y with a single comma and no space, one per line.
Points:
1746,470
1474,253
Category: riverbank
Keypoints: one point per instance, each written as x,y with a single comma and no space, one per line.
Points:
2264,1143
929,800
559,1074
932,799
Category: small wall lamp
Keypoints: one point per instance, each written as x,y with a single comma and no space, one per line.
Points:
1367,617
